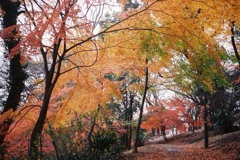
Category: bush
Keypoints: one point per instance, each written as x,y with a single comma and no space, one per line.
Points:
104,145
72,143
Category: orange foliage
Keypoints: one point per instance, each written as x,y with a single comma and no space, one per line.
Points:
161,117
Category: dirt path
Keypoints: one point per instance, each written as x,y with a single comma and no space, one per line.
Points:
157,152
189,147
172,151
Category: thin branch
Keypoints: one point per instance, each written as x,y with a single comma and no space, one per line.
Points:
112,26
31,107
182,94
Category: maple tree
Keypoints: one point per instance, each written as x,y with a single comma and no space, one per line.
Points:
167,112
146,49
67,31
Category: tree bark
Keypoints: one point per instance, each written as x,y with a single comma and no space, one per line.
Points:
234,43
193,127
130,119
126,114
51,79
93,123
17,75
37,130
135,149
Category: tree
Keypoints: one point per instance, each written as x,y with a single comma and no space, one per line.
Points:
17,76
169,113
69,31
135,150
127,106
54,18
235,49
150,50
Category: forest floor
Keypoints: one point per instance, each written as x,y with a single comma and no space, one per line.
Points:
190,146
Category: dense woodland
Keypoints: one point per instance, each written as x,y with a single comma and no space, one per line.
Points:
89,79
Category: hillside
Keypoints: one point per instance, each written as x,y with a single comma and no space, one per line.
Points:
190,146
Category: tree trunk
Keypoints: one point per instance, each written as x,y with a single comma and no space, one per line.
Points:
51,77
193,127
93,123
130,119
234,43
126,114
17,75
130,138
135,149
37,130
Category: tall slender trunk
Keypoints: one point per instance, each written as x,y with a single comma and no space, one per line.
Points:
130,119
130,138
51,79
234,43
126,119
93,123
17,75
135,149
37,130
193,127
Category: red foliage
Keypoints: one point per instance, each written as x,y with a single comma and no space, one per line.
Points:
172,113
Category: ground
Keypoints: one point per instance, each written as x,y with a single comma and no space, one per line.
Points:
189,146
